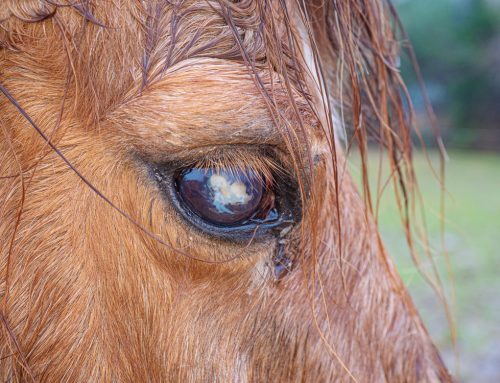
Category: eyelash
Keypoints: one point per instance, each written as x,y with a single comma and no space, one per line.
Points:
279,183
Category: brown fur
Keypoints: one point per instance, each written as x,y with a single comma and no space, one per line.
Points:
108,283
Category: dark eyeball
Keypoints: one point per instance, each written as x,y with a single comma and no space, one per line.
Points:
225,197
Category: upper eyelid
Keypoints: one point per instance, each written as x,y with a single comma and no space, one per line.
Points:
267,159
171,115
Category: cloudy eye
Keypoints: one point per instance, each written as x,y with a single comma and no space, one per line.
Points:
225,197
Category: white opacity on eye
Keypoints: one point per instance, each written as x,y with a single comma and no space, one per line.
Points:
226,192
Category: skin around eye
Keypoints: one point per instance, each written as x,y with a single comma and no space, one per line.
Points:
226,198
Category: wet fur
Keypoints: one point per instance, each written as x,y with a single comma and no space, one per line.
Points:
89,296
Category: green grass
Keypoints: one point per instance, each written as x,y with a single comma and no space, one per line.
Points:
472,236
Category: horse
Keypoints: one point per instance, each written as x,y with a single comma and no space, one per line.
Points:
175,198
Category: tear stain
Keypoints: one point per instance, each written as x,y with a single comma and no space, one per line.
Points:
282,264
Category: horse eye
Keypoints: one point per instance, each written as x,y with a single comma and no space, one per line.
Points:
226,197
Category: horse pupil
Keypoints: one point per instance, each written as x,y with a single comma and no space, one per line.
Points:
221,197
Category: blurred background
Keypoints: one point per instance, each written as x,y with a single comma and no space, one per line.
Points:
457,43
